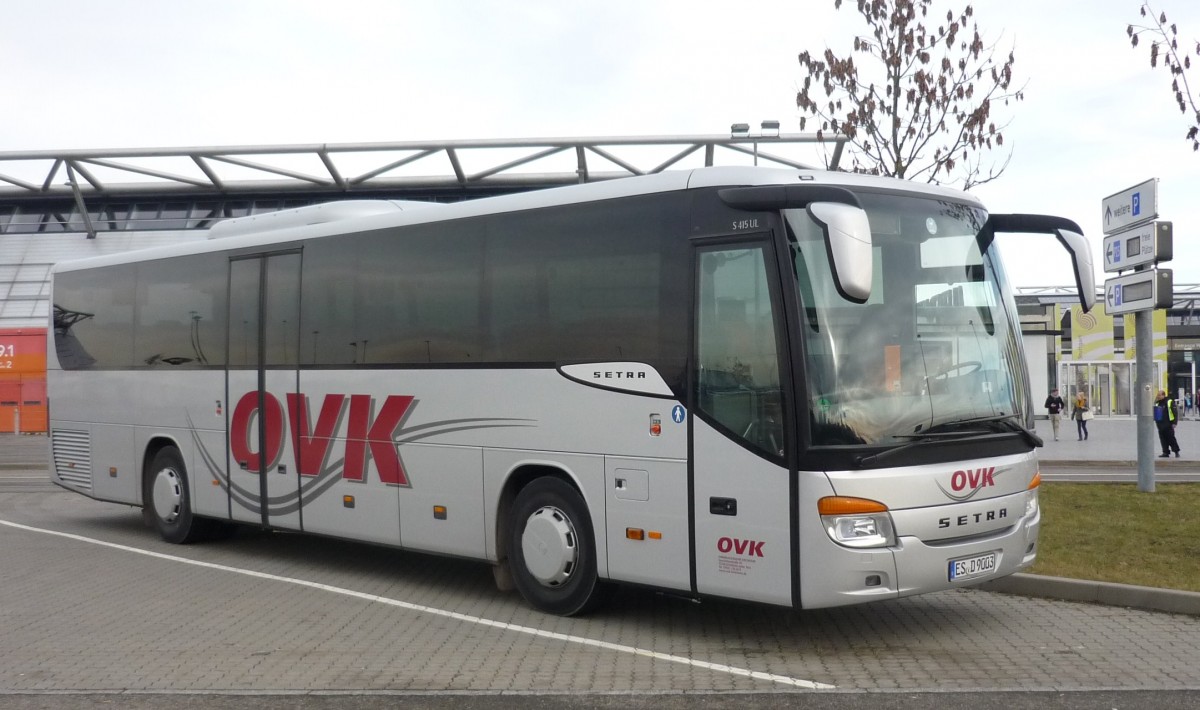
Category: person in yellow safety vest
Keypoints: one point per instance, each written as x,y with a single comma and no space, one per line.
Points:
1165,417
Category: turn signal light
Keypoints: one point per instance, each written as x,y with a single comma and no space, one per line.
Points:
1037,481
845,505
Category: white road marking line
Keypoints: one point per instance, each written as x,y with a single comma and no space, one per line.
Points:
420,608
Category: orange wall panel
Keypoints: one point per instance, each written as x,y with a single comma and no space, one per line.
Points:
23,351
23,379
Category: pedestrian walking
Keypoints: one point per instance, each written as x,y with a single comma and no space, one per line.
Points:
1081,413
1165,417
1055,406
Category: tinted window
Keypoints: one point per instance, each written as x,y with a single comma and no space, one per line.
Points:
585,282
605,281
398,296
93,317
181,312
738,354
244,306
327,314
281,302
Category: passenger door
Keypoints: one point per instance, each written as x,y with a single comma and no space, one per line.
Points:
741,485
264,326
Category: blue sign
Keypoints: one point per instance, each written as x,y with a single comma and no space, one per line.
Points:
678,414
1137,204
1117,294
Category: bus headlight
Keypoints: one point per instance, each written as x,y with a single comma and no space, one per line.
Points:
1031,497
857,522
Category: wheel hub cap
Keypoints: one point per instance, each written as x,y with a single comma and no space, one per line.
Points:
168,494
550,546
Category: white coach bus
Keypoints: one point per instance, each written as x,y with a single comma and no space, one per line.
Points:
796,387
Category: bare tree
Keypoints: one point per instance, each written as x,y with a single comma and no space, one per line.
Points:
1165,47
914,100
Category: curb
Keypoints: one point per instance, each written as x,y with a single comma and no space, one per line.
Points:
1171,601
1131,464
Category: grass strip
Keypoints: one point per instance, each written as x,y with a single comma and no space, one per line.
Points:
1111,532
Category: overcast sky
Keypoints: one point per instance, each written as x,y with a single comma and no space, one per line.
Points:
143,73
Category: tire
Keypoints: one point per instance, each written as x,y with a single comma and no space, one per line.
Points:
552,549
167,500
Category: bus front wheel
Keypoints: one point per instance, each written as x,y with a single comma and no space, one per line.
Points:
167,500
552,550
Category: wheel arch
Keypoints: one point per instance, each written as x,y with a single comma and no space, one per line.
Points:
517,479
155,444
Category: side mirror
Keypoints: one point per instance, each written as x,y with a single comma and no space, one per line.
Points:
841,217
848,240
1081,258
1068,234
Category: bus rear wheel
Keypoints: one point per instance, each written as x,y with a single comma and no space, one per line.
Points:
552,549
166,500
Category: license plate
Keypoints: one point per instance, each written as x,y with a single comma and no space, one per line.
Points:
976,566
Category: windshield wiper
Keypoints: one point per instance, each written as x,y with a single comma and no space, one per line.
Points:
932,434
919,439
1027,434
1009,420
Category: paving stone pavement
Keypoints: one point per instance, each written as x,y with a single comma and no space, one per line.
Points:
86,617
1113,441
279,612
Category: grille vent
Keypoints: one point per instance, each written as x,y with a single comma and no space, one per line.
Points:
73,457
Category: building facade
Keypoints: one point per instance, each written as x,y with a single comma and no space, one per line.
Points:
1095,353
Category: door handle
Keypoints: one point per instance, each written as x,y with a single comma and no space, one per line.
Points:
722,506
282,468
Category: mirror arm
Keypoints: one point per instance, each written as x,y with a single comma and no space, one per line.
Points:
1068,234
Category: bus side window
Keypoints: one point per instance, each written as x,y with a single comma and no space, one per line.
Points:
738,355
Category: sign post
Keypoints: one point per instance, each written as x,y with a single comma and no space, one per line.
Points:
1133,240
1140,246
1130,207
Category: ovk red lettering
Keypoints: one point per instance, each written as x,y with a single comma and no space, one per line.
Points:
747,548
311,451
239,432
377,435
974,479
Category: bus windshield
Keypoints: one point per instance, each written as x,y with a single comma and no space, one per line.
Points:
936,348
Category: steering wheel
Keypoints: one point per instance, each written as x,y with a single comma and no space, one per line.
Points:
968,365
